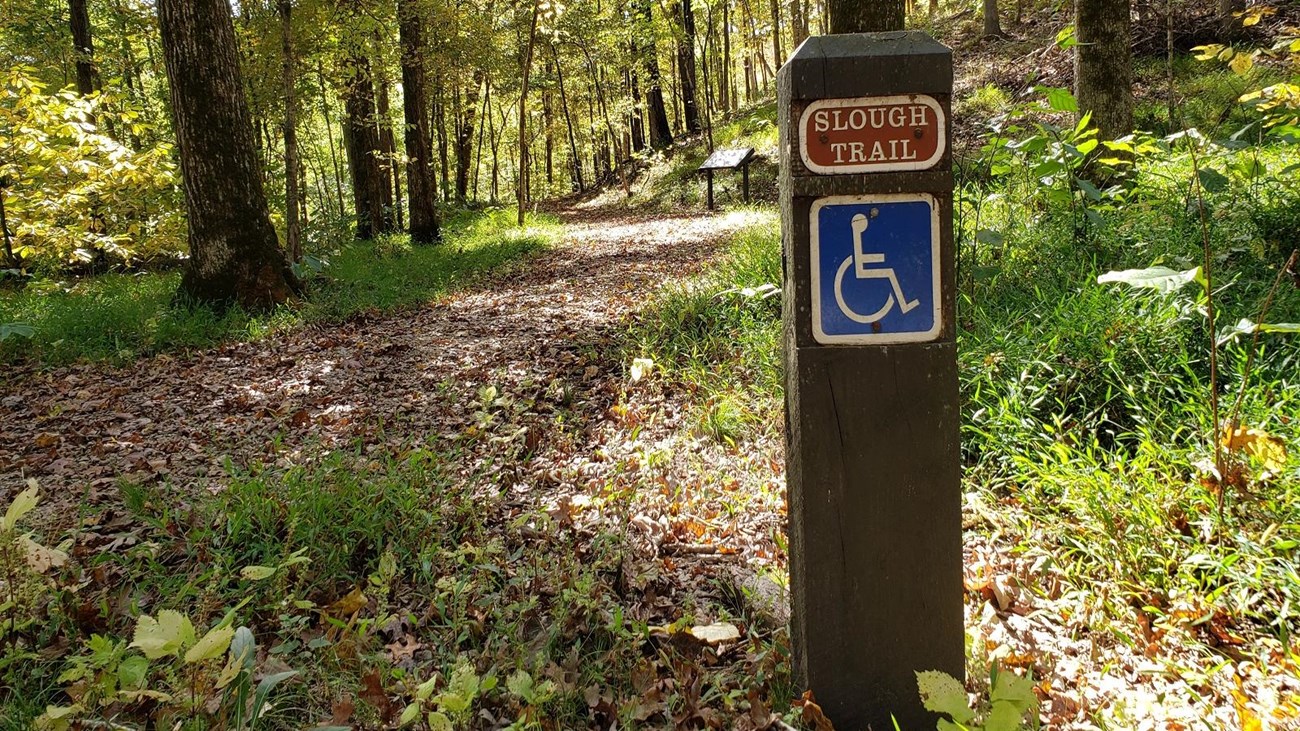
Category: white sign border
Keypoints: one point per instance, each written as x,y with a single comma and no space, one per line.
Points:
874,101
884,338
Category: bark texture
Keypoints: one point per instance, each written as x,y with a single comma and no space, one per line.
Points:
686,68
79,20
865,16
234,255
1103,65
292,196
361,138
420,188
992,25
661,135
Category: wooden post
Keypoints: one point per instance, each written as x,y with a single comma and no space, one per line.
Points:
744,173
874,480
709,174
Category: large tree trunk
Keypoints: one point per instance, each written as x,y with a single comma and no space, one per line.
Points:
1103,65
234,255
415,105
361,138
292,217
865,16
87,75
686,68
777,57
660,134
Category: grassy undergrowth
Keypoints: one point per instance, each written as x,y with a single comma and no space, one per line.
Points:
370,574
122,316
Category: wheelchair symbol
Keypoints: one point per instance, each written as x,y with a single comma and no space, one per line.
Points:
860,260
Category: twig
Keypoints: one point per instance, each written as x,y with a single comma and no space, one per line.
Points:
1207,270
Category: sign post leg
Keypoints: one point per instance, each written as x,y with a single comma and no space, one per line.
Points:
873,447
709,175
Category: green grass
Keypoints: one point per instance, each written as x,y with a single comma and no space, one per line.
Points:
123,316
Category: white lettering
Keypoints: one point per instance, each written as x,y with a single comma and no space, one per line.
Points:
820,122
877,153
838,149
855,152
919,117
896,117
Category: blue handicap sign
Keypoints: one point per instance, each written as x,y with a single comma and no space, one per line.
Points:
875,269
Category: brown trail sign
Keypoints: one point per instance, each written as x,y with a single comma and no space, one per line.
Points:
873,468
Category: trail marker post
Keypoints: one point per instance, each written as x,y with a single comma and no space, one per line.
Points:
873,473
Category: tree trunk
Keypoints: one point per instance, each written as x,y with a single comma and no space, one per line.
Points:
234,255
415,107
521,182
798,23
660,134
865,16
329,135
440,130
87,74
635,123
361,138
777,58
1229,25
686,68
992,26
728,75
292,218
465,137
1103,65
568,122
387,156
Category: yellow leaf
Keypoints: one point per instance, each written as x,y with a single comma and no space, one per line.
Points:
1268,449
354,602
1241,63
167,635
213,644
716,633
22,505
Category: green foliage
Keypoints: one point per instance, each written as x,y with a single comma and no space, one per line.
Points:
1011,699
75,194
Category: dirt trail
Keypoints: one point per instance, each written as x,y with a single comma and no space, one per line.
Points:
387,381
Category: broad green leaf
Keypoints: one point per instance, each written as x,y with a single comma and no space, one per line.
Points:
132,673
409,714
1004,716
1065,39
1244,326
1060,99
1161,279
1212,180
520,683
213,645
1015,689
166,636
464,681
257,573
453,702
942,693
438,721
19,329
990,237
1089,190
22,505
425,690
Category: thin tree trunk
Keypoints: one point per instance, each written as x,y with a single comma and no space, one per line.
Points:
465,138
568,121
635,123
777,58
234,255
329,135
392,188
521,193
686,67
415,108
292,219
728,74
440,128
798,23
11,261
859,16
992,26
87,74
